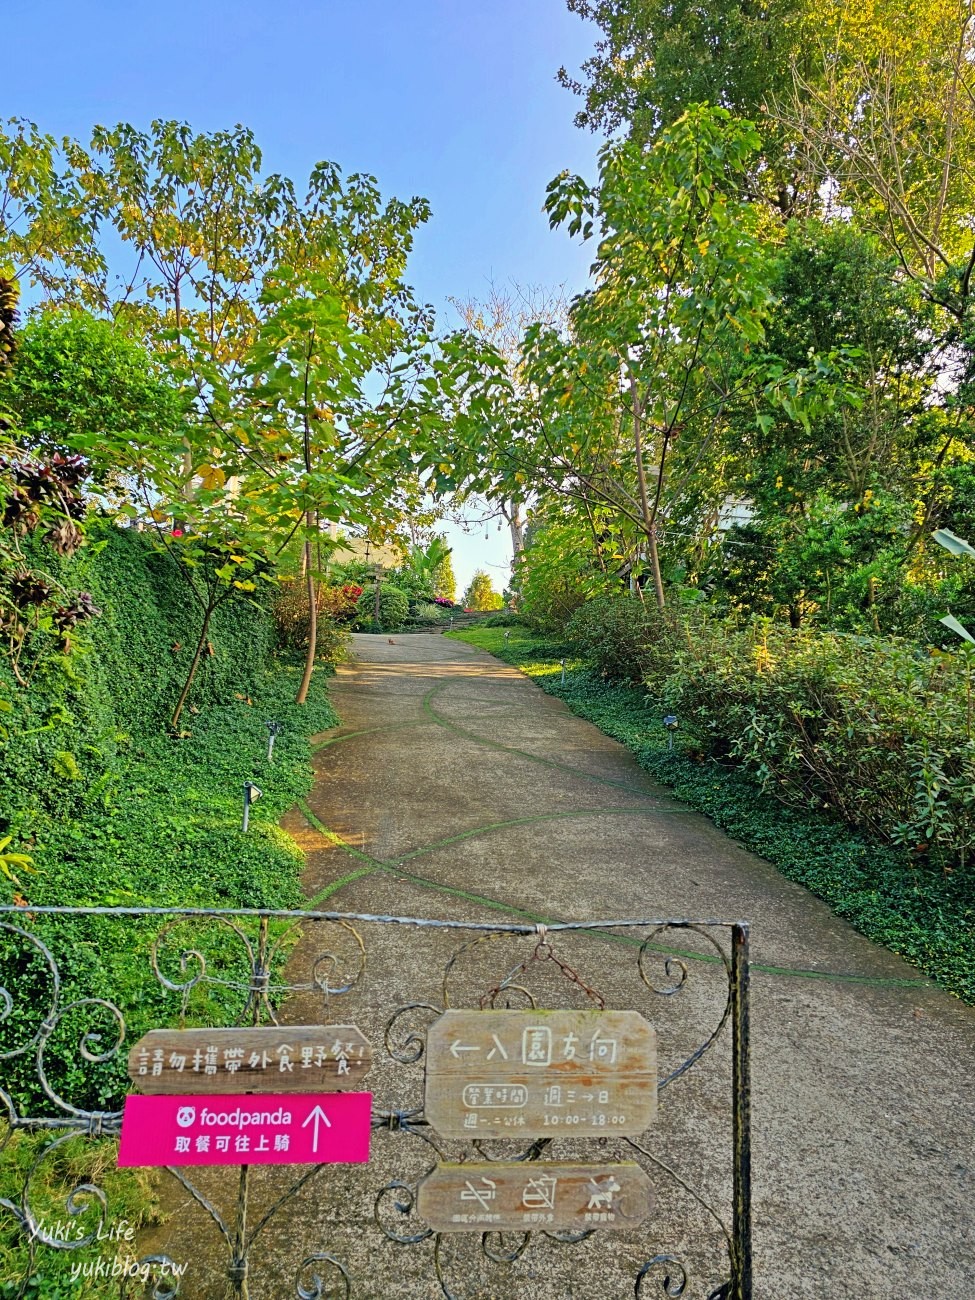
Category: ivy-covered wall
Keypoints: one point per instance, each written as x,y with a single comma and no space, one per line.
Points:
65,730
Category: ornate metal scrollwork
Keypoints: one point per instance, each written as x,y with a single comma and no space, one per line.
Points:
340,1290
404,1203
409,1049
673,1281
239,956
670,963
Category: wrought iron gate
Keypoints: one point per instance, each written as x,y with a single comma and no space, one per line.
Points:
68,1017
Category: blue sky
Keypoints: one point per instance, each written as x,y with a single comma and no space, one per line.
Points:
455,100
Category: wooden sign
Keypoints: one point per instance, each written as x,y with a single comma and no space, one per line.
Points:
518,1074
277,1058
533,1196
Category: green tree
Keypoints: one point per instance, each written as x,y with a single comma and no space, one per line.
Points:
480,593
78,386
444,582
635,403
654,59
887,120
48,220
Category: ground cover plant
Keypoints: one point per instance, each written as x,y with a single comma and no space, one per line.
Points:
891,895
108,806
169,834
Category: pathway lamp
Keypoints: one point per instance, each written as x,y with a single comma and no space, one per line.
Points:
252,793
274,730
563,671
671,723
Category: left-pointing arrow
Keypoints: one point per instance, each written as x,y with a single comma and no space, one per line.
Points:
317,1115
456,1047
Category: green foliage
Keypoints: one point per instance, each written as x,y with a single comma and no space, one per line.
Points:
167,834
66,731
894,897
112,810
423,568
394,608
562,566
132,1203
480,594
624,638
653,58
865,727
426,614
444,582
507,618
336,608
80,386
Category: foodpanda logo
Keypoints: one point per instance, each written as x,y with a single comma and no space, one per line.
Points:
186,1116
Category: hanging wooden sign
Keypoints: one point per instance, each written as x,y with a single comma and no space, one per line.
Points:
517,1074
273,1058
534,1196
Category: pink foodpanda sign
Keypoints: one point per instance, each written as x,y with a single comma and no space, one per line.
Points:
243,1129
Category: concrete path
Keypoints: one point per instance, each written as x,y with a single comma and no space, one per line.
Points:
456,789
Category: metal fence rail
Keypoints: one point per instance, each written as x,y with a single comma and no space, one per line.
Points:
241,958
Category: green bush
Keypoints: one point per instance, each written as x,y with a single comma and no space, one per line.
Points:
291,619
623,638
429,614
869,728
114,811
394,607
507,618
64,731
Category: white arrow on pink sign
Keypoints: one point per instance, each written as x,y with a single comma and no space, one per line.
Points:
273,1129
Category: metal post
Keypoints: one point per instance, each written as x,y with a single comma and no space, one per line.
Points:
741,1241
274,730
238,1270
251,795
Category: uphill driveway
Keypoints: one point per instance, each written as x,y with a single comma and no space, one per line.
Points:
455,789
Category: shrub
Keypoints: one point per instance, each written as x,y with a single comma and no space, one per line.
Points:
624,639
291,618
556,574
507,618
394,607
61,737
428,612
870,728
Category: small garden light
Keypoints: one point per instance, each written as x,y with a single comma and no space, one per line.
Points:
671,723
274,730
563,671
252,793
507,637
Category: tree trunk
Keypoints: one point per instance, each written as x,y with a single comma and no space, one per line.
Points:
302,695
198,655
649,515
516,526
658,584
